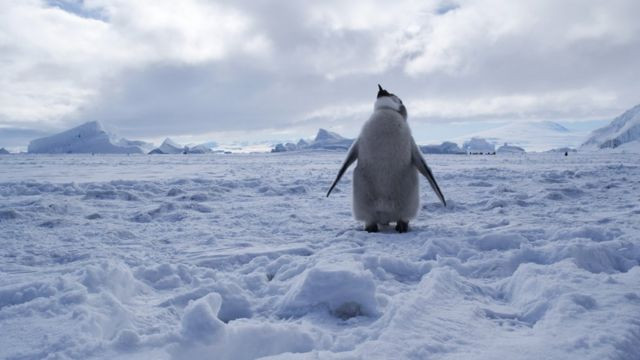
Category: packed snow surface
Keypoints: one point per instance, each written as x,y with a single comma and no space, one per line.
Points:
241,256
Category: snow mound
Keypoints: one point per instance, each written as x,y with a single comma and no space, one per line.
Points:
86,138
200,321
622,130
205,336
345,290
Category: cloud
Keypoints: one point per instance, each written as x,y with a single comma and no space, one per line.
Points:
55,58
159,68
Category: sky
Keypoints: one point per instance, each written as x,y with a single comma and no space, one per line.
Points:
256,70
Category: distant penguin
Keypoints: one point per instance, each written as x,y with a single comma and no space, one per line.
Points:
385,180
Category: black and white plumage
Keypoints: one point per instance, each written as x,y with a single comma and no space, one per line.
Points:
385,180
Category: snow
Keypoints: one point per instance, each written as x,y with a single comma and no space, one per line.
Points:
623,130
242,256
89,137
4,151
531,135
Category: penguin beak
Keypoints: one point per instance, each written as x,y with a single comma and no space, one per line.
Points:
380,88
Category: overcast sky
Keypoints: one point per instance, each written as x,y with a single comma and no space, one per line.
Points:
201,70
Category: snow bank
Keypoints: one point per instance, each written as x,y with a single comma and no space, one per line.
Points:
200,321
345,290
205,336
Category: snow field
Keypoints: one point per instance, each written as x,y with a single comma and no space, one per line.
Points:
242,256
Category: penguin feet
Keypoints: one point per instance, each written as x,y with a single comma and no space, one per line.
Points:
371,228
402,226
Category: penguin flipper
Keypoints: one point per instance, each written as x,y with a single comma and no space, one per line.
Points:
351,157
418,161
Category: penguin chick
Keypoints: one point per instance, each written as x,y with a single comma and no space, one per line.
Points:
385,180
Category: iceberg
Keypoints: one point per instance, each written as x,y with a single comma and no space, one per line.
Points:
510,149
622,130
478,146
446,147
324,140
89,137
168,146
533,136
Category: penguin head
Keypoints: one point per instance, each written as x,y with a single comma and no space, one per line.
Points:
387,100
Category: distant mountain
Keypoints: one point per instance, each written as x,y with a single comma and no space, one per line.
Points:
324,140
622,131
89,137
531,136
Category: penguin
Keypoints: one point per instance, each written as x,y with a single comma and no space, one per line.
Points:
385,180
